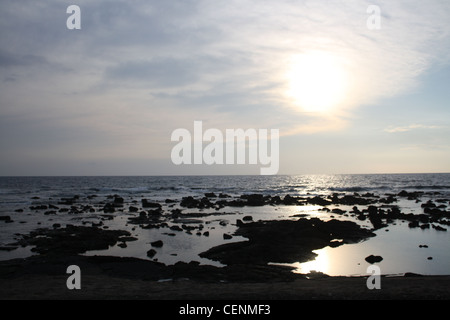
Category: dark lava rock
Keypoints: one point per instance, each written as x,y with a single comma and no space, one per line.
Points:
146,204
189,202
375,217
210,195
109,208
151,253
438,228
254,199
157,244
71,240
288,200
373,259
133,209
285,241
5,218
318,201
118,200
176,228
227,236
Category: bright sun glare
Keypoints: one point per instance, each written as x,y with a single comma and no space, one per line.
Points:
318,82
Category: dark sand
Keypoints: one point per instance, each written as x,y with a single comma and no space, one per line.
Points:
117,278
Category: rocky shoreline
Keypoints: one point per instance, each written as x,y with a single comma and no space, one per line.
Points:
282,241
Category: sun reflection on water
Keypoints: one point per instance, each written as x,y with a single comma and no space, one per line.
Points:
320,264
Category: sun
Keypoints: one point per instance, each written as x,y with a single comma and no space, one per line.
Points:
318,82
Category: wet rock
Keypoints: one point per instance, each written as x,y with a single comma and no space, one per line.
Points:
147,204
37,208
5,218
151,253
438,228
373,259
157,244
375,217
410,195
128,239
413,224
71,240
338,211
284,241
254,200
318,201
109,208
210,195
176,228
118,200
133,209
227,236
428,204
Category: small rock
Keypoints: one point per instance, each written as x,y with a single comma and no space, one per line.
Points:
157,244
133,209
176,228
146,204
210,195
247,218
118,200
151,253
373,259
227,236
439,228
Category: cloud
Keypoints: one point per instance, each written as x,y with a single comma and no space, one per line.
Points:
410,128
139,69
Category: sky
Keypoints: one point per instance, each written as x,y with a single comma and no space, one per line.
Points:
350,90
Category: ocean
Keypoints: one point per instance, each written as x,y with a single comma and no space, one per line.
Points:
36,202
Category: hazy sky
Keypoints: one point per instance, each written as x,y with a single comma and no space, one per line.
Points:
104,100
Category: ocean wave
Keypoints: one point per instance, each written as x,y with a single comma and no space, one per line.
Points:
421,187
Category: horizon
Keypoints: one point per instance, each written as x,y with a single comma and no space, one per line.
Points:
100,88
228,175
